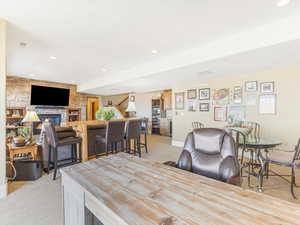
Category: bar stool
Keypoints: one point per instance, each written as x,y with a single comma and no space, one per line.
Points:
144,131
133,132
114,135
55,143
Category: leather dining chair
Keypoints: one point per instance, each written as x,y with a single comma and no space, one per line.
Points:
114,135
133,132
211,152
55,143
197,125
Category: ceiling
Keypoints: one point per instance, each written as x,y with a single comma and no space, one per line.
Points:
106,47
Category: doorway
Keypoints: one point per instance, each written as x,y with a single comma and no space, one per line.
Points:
92,108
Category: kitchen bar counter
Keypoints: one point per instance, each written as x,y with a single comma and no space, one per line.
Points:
125,190
82,129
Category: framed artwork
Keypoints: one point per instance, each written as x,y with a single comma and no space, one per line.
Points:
251,86
204,94
236,114
192,94
179,101
192,106
267,87
220,114
251,98
221,96
237,95
267,104
204,107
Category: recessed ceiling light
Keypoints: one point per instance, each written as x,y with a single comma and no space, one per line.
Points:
154,51
103,70
282,3
52,57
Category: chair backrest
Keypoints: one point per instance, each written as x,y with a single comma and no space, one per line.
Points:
197,125
133,129
239,138
255,128
297,151
212,153
51,134
144,125
115,131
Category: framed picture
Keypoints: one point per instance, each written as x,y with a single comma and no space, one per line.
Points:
267,104
192,94
192,106
204,107
179,101
204,94
267,87
221,96
236,114
237,95
220,114
251,86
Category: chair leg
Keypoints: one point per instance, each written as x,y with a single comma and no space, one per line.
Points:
146,145
80,152
134,146
55,163
49,159
139,147
293,183
122,146
106,148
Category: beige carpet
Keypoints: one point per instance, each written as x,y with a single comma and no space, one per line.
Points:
40,202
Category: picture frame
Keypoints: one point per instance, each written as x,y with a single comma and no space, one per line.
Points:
237,95
221,96
192,94
220,113
204,94
267,87
267,104
204,107
192,106
179,100
251,86
236,114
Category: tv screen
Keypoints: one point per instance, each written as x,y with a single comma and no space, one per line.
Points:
49,96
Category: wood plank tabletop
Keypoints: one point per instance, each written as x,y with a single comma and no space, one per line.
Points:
143,192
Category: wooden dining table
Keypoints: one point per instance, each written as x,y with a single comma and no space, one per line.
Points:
123,189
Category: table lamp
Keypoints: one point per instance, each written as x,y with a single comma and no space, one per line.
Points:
31,117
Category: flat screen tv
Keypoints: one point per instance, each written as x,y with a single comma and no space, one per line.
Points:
49,96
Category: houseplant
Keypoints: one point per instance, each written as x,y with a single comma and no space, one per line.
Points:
103,114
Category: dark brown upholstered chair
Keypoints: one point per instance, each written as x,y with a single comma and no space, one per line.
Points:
114,135
61,137
95,148
133,132
211,152
144,131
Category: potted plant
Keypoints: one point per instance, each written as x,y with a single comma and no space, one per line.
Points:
20,140
102,114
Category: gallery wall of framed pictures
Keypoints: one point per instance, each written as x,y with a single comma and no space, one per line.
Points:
229,104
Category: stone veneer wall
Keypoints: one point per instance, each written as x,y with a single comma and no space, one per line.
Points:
18,94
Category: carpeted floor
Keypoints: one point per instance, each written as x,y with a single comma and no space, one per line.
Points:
40,202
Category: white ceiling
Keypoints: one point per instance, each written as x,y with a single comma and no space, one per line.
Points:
119,35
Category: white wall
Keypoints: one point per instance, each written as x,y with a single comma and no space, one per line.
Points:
143,103
284,125
3,184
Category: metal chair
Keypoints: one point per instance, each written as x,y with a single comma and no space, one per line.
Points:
55,143
114,135
144,131
133,132
289,159
254,126
197,125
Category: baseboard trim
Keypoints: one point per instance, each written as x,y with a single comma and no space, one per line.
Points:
3,190
178,143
